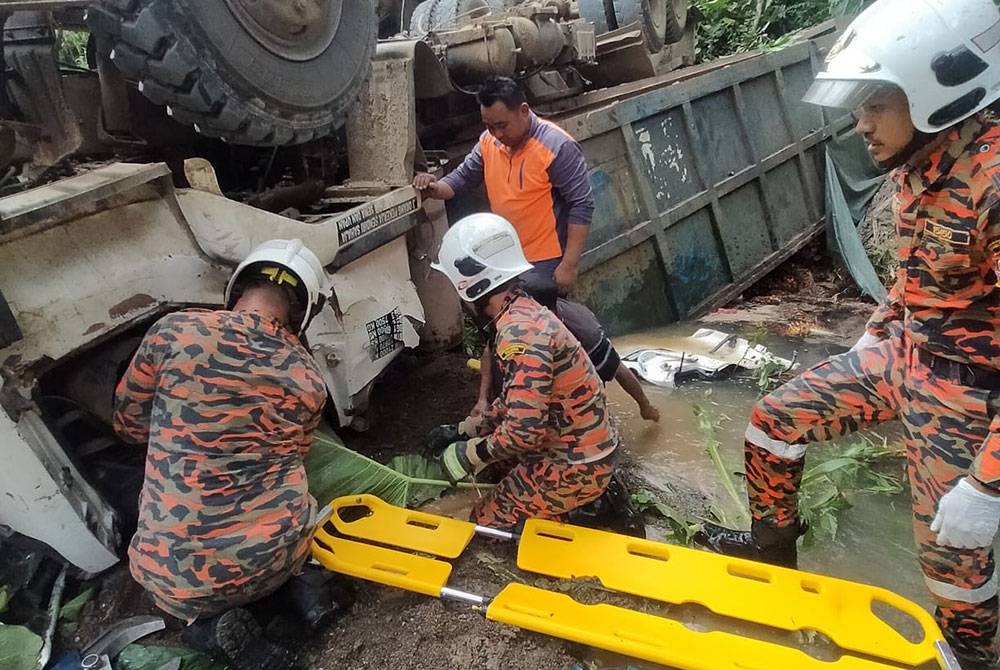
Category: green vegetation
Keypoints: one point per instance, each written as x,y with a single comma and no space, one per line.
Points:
856,468
735,26
836,474
72,48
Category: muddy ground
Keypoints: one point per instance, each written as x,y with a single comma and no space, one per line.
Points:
807,297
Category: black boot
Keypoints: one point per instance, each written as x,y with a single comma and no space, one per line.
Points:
764,542
317,597
613,511
236,636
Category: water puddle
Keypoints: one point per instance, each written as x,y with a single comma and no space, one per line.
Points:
874,541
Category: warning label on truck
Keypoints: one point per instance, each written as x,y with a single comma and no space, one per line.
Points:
366,219
385,334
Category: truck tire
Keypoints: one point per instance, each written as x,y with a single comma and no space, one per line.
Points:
676,21
212,71
652,15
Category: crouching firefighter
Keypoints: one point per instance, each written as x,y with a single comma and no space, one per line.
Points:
918,74
227,402
551,417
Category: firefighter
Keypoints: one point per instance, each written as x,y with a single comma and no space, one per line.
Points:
551,416
227,402
919,75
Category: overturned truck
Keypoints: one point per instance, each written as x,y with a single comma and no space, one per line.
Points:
134,180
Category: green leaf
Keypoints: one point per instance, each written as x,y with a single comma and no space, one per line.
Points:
418,467
333,470
152,657
70,612
19,648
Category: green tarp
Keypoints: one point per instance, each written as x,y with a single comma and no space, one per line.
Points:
851,181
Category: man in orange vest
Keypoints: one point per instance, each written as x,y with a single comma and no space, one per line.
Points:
535,176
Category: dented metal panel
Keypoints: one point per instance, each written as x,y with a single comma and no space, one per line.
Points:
715,178
87,260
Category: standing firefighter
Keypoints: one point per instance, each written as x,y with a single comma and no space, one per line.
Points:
550,417
227,402
918,73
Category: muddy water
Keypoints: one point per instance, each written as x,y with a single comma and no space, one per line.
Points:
874,541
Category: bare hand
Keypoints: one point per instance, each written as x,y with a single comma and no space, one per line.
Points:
479,408
565,276
422,180
649,413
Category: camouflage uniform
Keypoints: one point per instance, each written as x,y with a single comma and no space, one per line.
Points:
551,418
227,402
936,370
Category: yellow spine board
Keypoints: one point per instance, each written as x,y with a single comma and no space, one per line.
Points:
401,527
378,564
650,637
778,597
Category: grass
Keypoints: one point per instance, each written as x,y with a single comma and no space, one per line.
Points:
709,423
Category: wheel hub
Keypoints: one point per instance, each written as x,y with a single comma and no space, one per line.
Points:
293,29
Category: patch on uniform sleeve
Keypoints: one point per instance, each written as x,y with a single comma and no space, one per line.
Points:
512,350
950,235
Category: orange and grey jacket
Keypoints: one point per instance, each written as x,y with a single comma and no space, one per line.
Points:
541,188
227,403
552,401
946,294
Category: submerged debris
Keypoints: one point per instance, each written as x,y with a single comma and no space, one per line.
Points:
708,354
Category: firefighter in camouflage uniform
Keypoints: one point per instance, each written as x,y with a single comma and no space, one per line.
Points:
918,74
550,418
227,401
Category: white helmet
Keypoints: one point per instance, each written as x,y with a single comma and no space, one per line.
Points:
944,54
480,253
285,263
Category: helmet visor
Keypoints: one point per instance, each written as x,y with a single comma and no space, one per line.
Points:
841,93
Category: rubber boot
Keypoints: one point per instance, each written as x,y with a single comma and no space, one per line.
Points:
236,636
612,511
317,598
764,542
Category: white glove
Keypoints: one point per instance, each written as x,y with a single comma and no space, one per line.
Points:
865,341
470,425
966,518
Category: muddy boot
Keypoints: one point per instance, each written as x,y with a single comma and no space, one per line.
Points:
613,511
236,636
764,542
317,598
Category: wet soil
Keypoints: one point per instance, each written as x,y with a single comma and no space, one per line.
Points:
390,629
807,300
418,392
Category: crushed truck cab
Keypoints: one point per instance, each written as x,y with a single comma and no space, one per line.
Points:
89,262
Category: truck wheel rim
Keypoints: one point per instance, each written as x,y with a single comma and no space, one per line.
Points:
296,30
